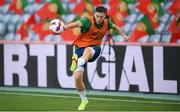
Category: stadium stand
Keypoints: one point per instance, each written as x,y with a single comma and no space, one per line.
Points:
10,21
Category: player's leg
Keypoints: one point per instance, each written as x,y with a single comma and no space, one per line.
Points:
87,54
78,74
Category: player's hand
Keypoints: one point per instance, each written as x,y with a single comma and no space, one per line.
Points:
61,27
126,38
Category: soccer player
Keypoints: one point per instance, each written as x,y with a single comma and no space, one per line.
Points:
87,45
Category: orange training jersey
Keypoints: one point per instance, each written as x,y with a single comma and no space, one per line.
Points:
93,36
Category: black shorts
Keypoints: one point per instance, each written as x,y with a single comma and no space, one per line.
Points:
79,52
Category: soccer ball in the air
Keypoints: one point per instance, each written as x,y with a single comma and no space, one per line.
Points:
56,26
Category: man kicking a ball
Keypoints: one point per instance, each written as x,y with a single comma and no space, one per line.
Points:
87,45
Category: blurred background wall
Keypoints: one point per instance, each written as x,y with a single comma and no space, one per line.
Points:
144,21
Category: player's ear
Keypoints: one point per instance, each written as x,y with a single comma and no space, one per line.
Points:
107,16
113,25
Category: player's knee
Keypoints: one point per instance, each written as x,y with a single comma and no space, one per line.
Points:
78,77
79,69
78,74
87,52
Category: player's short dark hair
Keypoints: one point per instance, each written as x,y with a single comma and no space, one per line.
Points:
101,9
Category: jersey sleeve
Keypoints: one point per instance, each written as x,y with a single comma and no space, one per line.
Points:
110,25
86,24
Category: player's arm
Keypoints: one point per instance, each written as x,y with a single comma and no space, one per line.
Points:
69,26
117,28
75,24
83,23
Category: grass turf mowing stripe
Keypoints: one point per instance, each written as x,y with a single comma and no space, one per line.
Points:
132,95
102,99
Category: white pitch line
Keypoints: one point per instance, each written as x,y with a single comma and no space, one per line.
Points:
102,99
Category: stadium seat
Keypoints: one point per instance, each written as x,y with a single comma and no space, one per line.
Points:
71,6
6,18
11,27
29,9
8,1
154,38
166,37
17,37
1,17
165,18
132,18
178,41
9,36
161,28
166,6
30,1
68,18
2,28
35,6
55,38
4,9
48,38
118,38
8,26
15,18
128,27
139,17
144,39
32,36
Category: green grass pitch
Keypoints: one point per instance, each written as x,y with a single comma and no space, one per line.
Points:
38,101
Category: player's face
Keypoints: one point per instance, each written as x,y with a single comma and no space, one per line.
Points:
99,17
